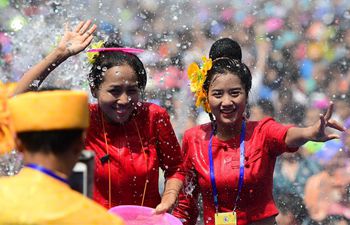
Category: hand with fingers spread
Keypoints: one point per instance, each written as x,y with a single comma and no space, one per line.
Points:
71,43
297,136
318,130
78,39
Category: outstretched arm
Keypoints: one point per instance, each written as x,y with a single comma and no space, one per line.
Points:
171,192
297,136
71,43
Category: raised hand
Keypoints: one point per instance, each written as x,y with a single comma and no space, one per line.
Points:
71,43
318,132
78,39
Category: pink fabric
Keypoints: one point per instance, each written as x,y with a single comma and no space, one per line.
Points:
126,50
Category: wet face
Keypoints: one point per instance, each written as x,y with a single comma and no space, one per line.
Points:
118,94
227,99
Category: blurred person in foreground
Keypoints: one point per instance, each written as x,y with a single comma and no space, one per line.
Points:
48,128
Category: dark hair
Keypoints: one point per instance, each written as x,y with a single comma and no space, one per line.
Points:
54,141
225,47
107,60
226,65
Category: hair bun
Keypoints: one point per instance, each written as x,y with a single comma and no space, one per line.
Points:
225,47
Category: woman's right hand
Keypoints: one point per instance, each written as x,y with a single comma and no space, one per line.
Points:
75,41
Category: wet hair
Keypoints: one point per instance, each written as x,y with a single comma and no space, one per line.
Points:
226,65
225,47
225,52
107,60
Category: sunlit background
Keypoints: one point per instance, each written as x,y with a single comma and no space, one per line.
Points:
298,52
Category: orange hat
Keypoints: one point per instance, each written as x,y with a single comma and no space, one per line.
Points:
40,111
49,110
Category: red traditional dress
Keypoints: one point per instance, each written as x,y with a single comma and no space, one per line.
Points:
264,141
136,150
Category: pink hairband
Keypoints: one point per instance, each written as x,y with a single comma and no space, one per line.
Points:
126,50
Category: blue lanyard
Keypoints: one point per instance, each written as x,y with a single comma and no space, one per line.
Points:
46,171
241,168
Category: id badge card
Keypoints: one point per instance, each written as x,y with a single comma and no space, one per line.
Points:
227,218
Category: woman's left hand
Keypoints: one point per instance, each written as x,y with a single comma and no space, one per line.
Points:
318,130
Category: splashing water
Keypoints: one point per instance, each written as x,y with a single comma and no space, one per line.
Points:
10,163
190,185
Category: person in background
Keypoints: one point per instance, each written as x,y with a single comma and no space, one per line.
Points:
50,128
291,211
292,170
263,108
327,192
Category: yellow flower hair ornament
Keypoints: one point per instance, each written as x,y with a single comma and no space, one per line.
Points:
93,55
7,131
197,76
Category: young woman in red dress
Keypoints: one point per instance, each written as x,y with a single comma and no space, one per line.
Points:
231,159
131,138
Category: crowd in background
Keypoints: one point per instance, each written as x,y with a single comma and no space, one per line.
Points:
298,52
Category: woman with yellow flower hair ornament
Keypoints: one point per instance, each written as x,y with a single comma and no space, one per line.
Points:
131,139
231,159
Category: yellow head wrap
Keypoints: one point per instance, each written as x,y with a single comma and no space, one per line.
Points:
49,110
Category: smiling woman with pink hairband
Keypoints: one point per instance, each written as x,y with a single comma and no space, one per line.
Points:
131,138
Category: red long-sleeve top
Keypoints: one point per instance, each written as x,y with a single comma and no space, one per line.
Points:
128,164
264,141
